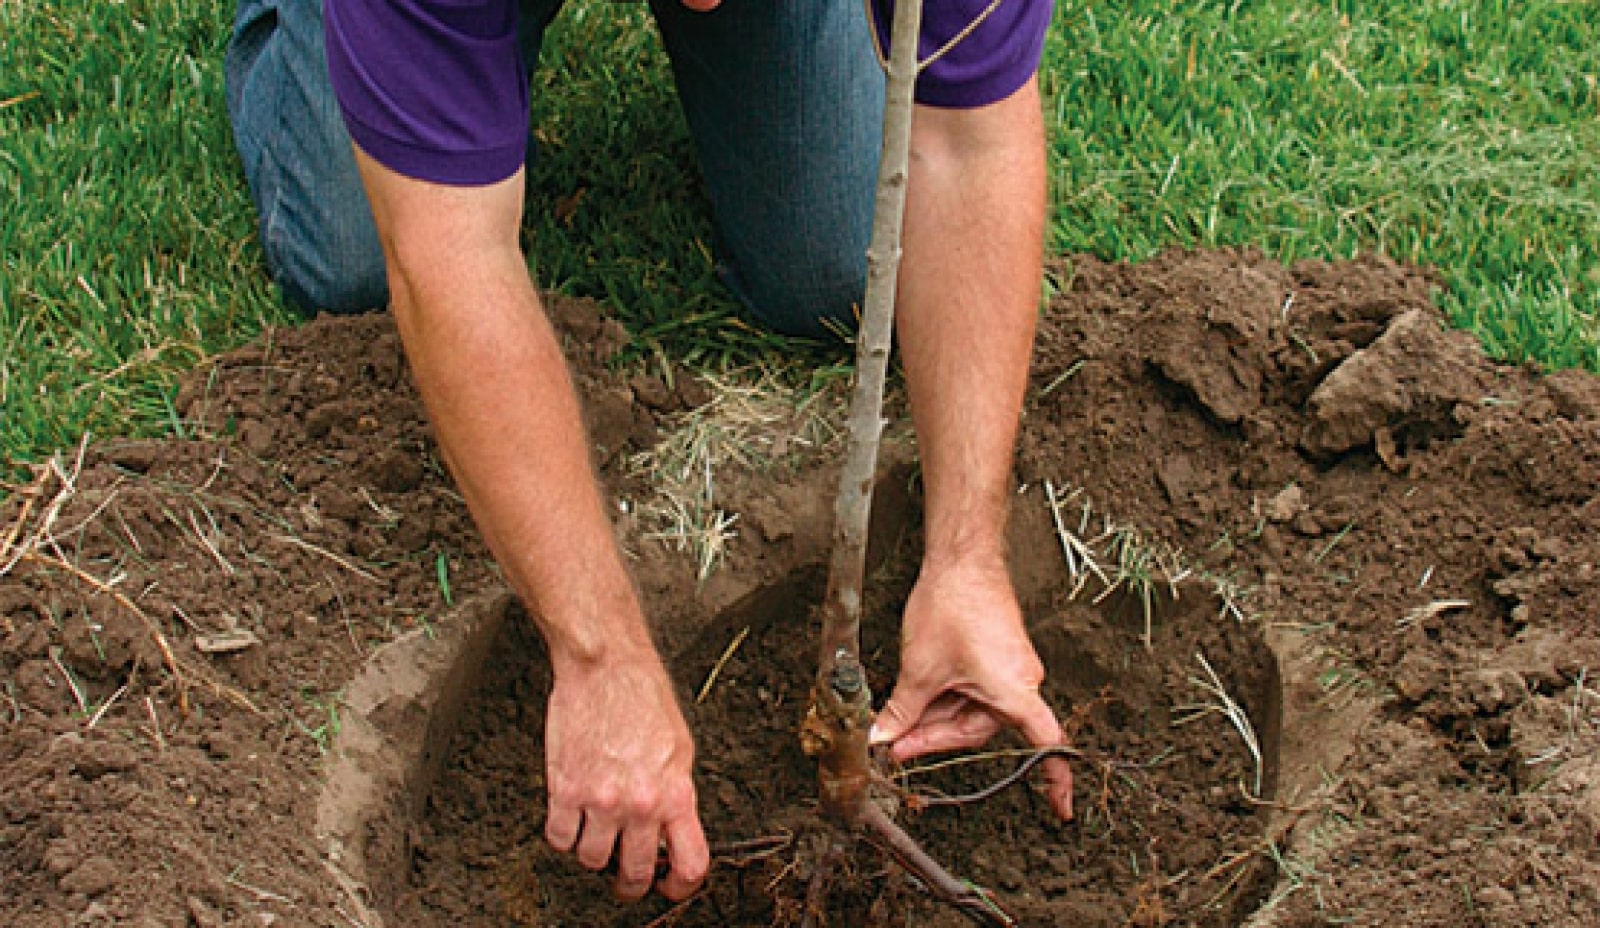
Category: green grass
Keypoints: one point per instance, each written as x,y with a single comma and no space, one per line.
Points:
1462,135
126,240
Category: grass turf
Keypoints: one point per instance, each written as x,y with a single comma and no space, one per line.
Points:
1463,135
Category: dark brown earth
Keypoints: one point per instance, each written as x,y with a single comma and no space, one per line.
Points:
1351,504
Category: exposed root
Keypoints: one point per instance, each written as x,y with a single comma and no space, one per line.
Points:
970,900
822,876
917,802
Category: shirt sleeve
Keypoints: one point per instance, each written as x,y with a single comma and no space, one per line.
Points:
987,66
432,89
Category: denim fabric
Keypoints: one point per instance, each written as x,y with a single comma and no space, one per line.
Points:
316,228
784,99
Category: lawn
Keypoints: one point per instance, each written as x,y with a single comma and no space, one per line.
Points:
1460,135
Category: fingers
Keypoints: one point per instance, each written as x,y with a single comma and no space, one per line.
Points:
561,829
597,841
970,727
594,834
1040,726
636,861
902,713
954,723
690,857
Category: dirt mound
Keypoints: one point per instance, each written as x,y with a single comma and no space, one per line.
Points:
1305,455
1422,520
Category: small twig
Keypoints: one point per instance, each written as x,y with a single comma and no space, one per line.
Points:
959,37
727,654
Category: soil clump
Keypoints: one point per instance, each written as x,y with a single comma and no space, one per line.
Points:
1306,456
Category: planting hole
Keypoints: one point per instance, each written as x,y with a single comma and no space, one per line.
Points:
1169,820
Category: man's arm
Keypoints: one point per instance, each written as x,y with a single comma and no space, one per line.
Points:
507,419
968,296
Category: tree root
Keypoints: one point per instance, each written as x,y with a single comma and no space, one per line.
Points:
967,898
917,801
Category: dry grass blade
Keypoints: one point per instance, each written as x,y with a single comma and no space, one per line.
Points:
209,545
1431,610
179,670
1230,709
106,706
751,422
716,671
155,725
1072,547
324,552
72,682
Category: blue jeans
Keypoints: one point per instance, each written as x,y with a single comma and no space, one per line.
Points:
784,99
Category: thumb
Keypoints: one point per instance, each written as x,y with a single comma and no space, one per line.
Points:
900,714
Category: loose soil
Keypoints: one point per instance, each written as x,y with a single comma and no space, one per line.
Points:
1383,543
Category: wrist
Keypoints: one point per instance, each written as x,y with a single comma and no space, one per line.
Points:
970,557
966,517
593,623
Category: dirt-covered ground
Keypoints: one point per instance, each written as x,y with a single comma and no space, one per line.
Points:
1383,545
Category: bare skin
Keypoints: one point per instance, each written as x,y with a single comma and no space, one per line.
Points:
488,366
969,290
619,755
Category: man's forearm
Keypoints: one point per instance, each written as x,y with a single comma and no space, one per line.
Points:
969,290
504,410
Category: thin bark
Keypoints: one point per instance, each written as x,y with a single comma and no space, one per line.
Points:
841,711
970,900
842,705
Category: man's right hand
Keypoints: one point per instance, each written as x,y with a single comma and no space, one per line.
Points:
489,366
618,765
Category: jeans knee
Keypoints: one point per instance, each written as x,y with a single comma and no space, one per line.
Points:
329,275
818,296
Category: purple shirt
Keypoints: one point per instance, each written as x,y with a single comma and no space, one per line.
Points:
986,66
436,90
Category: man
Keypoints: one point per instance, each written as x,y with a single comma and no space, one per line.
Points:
784,98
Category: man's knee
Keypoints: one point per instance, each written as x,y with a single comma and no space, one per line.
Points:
341,274
815,294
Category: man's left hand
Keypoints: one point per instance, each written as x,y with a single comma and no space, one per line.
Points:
967,669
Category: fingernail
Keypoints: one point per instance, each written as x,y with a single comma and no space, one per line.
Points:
875,735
